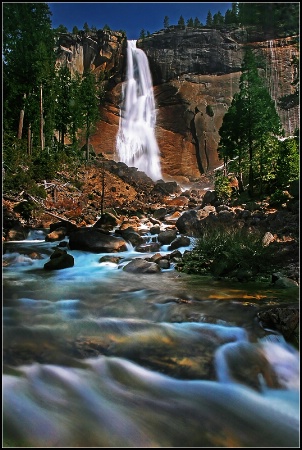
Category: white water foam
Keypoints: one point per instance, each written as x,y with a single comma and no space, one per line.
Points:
136,142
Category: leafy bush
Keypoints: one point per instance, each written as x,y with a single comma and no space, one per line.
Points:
278,197
209,110
222,187
26,209
221,250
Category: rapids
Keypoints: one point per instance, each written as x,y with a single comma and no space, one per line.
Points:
98,357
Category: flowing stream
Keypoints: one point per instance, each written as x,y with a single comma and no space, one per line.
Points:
136,142
94,356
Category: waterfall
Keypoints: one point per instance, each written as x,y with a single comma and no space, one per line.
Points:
136,142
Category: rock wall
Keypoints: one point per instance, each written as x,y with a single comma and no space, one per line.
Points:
195,75
103,51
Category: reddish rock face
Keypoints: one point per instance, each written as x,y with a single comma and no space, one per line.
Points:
191,99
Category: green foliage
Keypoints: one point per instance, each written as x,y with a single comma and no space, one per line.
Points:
231,15
278,197
222,187
190,22
209,110
86,27
181,21
44,166
209,20
61,29
218,19
25,209
197,23
166,22
89,104
281,19
223,251
28,62
249,125
142,34
288,162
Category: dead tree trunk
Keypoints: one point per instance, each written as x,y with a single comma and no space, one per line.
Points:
21,119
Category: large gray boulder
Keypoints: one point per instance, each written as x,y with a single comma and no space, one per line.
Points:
141,266
95,241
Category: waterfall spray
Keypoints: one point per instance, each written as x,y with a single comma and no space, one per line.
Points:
136,142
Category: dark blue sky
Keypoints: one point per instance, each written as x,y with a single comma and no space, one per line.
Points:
131,17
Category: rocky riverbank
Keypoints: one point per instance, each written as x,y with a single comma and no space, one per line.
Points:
173,213
134,199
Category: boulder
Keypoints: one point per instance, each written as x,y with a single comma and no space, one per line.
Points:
141,266
95,241
166,237
60,259
189,224
180,241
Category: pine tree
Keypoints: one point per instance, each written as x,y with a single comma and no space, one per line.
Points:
209,21
28,65
190,22
218,19
249,125
197,23
181,21
90,106
166,22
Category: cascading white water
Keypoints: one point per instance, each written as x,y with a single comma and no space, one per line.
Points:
136,143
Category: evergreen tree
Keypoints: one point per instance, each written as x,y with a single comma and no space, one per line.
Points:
209,21
181,21
231,15
249,124
287,167
28,68
166,22
75,30
142,34
273,18
218,19
90,106
86,27
197,23
61,29
190,22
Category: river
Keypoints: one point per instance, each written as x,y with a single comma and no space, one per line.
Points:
94,356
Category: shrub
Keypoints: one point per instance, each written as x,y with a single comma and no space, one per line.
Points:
223,188
26,209
220,250
278,197
209,110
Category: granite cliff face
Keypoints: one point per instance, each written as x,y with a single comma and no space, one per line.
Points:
195,74
103,51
